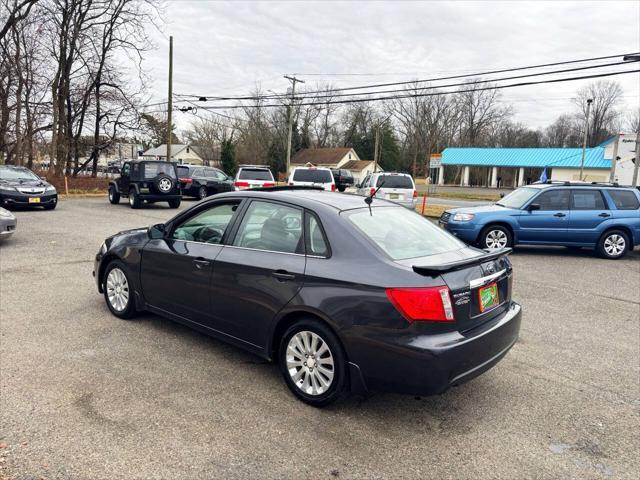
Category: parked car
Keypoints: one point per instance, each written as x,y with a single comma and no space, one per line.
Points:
396,187
20,187
146,181
342,178
8,223
312,177
601,216
254,176
344,294
200,182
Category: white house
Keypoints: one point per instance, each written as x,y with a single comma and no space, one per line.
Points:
359,168
179,153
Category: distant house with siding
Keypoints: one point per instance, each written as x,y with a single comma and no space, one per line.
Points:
180,153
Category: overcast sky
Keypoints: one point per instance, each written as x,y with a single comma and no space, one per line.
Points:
228,48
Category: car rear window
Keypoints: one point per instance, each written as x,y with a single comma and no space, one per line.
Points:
152,170
183,172
310,175
255,174
401,233
395,181
624,199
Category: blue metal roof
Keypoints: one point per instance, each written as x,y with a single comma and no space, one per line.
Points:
525,157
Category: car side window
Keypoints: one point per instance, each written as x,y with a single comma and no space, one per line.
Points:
126,170
271,226
207,226
198,172
316,243
587,200
553,200
624,199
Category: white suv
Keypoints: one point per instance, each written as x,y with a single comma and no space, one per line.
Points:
313,176
396,187
254,176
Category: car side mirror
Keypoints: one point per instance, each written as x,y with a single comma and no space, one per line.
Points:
157,231
533,206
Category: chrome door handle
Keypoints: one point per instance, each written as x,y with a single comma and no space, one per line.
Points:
201,263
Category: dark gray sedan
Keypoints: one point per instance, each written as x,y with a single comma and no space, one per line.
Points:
342,294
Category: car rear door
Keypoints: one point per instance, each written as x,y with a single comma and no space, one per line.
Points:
260,271
176,270
588,211
548,224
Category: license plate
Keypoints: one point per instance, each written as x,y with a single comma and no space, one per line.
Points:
34,200
393,196
488,297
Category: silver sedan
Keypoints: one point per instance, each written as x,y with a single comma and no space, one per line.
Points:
8,223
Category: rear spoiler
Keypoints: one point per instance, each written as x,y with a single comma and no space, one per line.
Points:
435,270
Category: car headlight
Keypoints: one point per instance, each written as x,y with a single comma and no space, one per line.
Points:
7,188
5,213
463,217
50,188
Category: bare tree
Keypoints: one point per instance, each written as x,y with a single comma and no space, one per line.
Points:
606,95
12,12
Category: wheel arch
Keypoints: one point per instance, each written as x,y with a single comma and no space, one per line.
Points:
501,223
623,228
114,184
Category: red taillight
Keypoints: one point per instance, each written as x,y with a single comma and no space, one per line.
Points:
423,304
268,184
415,194
333,187
372,191
242,184
186,180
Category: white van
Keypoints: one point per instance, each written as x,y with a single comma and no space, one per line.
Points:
313,176
396,187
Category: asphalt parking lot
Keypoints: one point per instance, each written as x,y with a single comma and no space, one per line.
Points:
86,395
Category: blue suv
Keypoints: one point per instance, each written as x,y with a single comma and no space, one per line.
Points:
601,216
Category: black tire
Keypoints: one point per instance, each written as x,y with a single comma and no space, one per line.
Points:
163,184
338,384
114,195
174,202
134,199
341,188
202,193
129,308
493,235
613,244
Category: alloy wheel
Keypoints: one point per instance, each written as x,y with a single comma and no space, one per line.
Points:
164,185
614,245
310,363
496,239
117,289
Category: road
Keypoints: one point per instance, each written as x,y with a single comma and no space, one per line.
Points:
84,395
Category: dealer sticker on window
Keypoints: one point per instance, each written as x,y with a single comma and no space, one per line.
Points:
488,297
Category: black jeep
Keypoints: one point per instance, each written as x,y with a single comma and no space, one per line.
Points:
150,180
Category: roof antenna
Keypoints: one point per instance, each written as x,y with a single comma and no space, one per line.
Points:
369,200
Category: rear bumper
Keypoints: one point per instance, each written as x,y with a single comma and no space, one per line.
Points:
430,364
154,197
411,204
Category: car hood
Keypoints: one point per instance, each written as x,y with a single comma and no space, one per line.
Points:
481,209
24,183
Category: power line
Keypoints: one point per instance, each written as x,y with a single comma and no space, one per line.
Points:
489,72
417,95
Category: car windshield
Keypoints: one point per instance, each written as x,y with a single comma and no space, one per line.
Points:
312,175
152,170
17,174
518,198
395,181
183,172
255,174
403,234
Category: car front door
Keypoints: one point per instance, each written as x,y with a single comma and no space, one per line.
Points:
548,223
125,178
260,271
588,211
363,189
176,270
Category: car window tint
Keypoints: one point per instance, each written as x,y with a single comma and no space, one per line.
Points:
255,174
587,200
316,243
394,181
183,172
270,226
152,170
312,175
624,199
126,168
207,226
401,233
553,200
198,172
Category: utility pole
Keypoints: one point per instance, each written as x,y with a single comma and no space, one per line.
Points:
614,159
170,106
293,81
637,163
586,135
375,149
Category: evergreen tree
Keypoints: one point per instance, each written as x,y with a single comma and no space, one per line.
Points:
228,157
